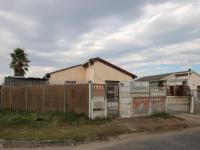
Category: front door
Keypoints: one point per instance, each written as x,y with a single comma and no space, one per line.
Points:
112,95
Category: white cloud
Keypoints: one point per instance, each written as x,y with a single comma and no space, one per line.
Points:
17,19
184,54
7,38
157,33
38,71
144,31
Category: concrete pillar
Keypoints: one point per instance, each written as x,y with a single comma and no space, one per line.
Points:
90,100
192,103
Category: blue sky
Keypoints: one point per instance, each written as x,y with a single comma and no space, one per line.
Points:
143,36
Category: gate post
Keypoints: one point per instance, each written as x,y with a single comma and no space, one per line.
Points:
90,100
26,99
44,99
192,102
10,97
150,106
105,103
64,90
166,105
1,97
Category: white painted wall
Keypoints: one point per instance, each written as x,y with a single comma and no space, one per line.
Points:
125,100
73,74
195,81
104,72
97,73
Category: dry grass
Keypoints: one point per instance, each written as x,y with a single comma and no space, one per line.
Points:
17,125
62,132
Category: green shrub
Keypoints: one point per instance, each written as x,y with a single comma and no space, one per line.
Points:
14,120
13,117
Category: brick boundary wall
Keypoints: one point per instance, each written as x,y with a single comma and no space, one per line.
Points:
45,98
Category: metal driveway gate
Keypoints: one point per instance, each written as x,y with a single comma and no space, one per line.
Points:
112,96
178,104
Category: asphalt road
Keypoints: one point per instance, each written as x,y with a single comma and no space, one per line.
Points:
185,140
188,139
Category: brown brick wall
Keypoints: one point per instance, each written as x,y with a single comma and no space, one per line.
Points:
18,100
5,97
77,98
47,98
54,98
35,98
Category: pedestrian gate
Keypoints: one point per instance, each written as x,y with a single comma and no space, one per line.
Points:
112,96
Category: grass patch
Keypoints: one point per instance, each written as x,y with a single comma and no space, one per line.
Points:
19,125
18,118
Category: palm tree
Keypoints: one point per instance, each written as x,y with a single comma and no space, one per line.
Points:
19,62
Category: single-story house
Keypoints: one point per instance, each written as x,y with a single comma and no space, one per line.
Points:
176,82
96,70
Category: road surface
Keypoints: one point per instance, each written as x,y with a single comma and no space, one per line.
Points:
188,139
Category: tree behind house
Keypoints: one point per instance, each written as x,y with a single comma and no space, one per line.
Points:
19,62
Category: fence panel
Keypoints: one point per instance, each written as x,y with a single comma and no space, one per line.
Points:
141,102
44,98
141,107
6,97
18,94
158,92
178,104
77,97
54,98
147,100
35,101
140,89
196,98
158,104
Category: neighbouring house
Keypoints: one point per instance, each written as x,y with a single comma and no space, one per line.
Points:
177,83
96,70
14,81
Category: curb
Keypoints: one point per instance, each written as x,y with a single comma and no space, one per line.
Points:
46,143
